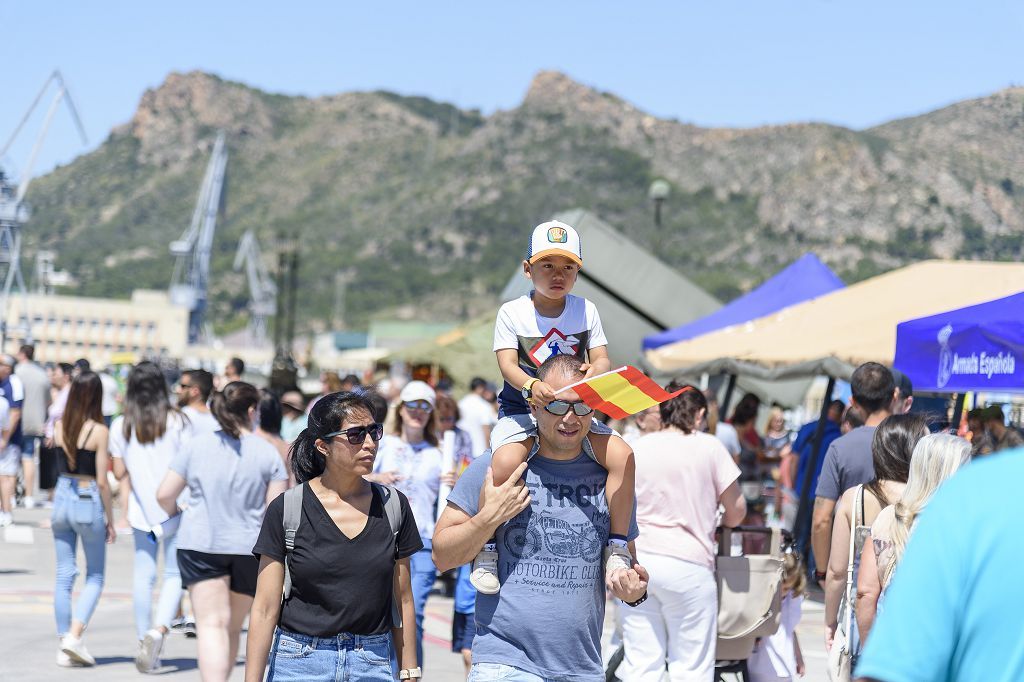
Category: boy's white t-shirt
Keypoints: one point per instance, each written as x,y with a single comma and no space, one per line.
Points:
147,465
536,338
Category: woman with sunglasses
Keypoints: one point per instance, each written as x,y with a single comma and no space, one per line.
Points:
345,567
410,459
233,475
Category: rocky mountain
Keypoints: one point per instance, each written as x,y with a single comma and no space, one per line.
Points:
424,208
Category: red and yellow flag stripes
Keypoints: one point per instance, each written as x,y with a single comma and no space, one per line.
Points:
621,392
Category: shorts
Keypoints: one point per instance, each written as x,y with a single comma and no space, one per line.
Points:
519,427
29,445
463,631
242,569
10,460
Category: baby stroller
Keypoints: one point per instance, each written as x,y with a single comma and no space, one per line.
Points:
749,595
749,598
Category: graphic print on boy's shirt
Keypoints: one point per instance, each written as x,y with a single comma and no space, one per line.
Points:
536,338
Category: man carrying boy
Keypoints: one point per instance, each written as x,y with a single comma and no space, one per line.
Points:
548,322
546,623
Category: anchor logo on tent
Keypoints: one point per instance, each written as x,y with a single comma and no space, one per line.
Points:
945,356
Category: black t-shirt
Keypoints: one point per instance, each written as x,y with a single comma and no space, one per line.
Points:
338,584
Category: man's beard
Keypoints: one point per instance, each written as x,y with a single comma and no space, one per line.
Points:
183,400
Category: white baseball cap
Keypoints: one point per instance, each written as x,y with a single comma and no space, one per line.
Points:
417,390
555,238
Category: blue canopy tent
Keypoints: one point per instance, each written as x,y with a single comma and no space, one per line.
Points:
803,280
977,348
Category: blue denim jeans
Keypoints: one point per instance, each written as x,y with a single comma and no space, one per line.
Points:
497,672
144,577
77,513
341,658
423,573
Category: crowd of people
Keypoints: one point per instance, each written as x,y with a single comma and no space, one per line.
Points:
327,522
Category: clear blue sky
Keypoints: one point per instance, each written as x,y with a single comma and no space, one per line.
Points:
725,63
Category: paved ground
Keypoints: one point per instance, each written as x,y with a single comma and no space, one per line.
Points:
28,645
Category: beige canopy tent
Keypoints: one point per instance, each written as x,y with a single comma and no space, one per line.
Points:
836,332
464,352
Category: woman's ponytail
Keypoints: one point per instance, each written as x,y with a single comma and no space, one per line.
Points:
307,461
230,407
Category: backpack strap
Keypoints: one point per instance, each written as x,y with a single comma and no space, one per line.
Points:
393,512
291,520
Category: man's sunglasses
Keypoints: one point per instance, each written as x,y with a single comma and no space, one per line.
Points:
561,407
357,434
418,405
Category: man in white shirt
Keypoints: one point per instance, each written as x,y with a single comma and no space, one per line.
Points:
477,416
194,389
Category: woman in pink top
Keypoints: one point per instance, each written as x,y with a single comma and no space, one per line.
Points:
682,475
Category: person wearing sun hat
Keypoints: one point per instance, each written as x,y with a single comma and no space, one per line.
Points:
409,459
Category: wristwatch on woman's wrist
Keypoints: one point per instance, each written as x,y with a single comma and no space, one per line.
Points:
410,673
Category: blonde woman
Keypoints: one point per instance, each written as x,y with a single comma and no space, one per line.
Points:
936,458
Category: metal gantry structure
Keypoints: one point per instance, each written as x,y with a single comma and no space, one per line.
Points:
191,279
14,212
262,288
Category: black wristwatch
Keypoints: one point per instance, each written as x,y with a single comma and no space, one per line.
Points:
638,602
819,575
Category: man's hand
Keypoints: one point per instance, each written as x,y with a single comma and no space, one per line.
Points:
541,394
500,503
629,585
449,479
830,635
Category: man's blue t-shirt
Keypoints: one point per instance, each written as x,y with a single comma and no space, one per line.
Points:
803,446
548,616
953,609
13,392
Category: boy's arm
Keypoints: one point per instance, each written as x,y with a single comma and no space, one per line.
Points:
508,363
598,361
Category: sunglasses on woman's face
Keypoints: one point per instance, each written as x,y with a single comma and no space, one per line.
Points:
561,407
421,405
357,434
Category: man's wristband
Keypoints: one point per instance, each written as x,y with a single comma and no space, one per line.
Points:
410,673
820,575
638,602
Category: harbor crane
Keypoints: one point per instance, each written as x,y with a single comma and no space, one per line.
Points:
191,279
262,288
14,212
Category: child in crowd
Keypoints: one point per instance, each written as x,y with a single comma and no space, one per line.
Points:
777,658
548,321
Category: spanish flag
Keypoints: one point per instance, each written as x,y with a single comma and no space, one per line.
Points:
621,392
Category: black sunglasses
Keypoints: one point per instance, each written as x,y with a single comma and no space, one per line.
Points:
561,407
357,434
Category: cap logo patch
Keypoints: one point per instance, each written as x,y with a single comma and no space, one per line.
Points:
557,235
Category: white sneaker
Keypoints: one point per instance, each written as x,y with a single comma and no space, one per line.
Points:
65,661
484,576
6,519
148,659
75,649
28,502
616,558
